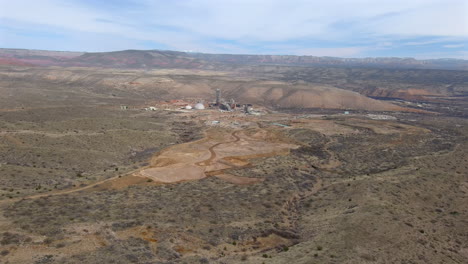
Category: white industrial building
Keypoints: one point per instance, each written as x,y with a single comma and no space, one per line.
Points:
199,106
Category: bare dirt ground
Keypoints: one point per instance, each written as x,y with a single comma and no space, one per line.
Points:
255,155
90,183
210,156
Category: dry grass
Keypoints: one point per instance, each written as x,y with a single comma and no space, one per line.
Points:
329,188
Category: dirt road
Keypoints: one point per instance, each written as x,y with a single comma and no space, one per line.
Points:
213,153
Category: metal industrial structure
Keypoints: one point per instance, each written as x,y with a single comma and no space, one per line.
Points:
218,97
226,106
222,104
248,109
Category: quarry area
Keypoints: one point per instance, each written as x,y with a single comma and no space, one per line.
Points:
247,165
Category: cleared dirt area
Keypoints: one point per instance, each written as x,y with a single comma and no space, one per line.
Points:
219,150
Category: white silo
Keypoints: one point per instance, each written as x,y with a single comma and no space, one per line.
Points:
199,106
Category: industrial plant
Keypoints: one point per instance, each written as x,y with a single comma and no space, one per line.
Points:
219,103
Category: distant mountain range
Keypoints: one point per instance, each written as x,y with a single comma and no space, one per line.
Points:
140,59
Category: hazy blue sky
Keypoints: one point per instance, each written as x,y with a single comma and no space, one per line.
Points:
342,28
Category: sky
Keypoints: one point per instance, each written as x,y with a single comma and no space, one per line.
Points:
421,29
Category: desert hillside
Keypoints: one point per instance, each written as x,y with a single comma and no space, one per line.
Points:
284,95
170,85
140,59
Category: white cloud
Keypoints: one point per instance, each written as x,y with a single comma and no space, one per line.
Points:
201,24
425,42
263,20
333,52
275,20
435,18
453,46
57,13
309,51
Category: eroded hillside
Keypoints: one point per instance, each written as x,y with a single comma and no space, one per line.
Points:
64,86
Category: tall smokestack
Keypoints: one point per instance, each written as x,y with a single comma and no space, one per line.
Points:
218,97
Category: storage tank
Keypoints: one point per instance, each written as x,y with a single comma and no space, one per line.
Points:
199,106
